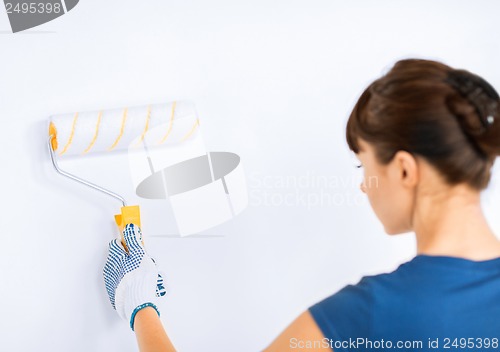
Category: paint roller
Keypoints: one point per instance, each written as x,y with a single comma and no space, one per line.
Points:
82,134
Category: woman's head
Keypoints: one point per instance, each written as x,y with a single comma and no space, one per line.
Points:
423,123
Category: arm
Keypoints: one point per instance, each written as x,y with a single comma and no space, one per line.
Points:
301,335
151,337
132,280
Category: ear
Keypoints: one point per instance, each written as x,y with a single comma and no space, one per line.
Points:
406,168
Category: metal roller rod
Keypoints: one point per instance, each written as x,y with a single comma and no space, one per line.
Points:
79,180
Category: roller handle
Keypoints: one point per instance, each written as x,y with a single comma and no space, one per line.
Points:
130,214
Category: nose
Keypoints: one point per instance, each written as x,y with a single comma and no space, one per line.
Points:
362,187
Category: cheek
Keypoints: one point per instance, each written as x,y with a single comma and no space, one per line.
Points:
389,204
375,192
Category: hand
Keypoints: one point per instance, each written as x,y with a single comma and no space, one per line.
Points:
132,279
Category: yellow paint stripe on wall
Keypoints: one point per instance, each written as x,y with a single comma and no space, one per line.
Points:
122,130
96,133
71,135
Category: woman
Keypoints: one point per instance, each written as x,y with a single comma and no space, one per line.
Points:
427,136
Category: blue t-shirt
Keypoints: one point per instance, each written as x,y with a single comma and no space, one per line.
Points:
445,303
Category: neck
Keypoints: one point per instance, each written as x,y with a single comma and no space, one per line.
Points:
452,223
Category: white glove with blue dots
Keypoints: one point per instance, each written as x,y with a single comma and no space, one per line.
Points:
132,279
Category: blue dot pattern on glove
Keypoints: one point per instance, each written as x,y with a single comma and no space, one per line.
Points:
120,262
160,288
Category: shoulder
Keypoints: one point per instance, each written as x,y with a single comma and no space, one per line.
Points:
302,334
349,312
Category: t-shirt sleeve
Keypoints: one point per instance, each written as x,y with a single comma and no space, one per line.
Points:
346,314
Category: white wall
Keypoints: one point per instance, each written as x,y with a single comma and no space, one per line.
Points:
273,81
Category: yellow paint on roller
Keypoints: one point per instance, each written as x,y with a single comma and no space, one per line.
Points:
53,133
170,123
148,117
124,119
70,139
96,133
196,124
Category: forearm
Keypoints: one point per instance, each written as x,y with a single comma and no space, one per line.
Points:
151,336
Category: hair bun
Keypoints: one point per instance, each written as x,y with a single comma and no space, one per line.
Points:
478,113
479,93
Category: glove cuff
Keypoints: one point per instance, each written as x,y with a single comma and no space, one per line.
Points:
138,308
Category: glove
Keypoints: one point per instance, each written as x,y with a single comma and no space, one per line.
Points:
132,279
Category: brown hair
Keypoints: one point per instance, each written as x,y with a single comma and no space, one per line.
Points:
447,116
